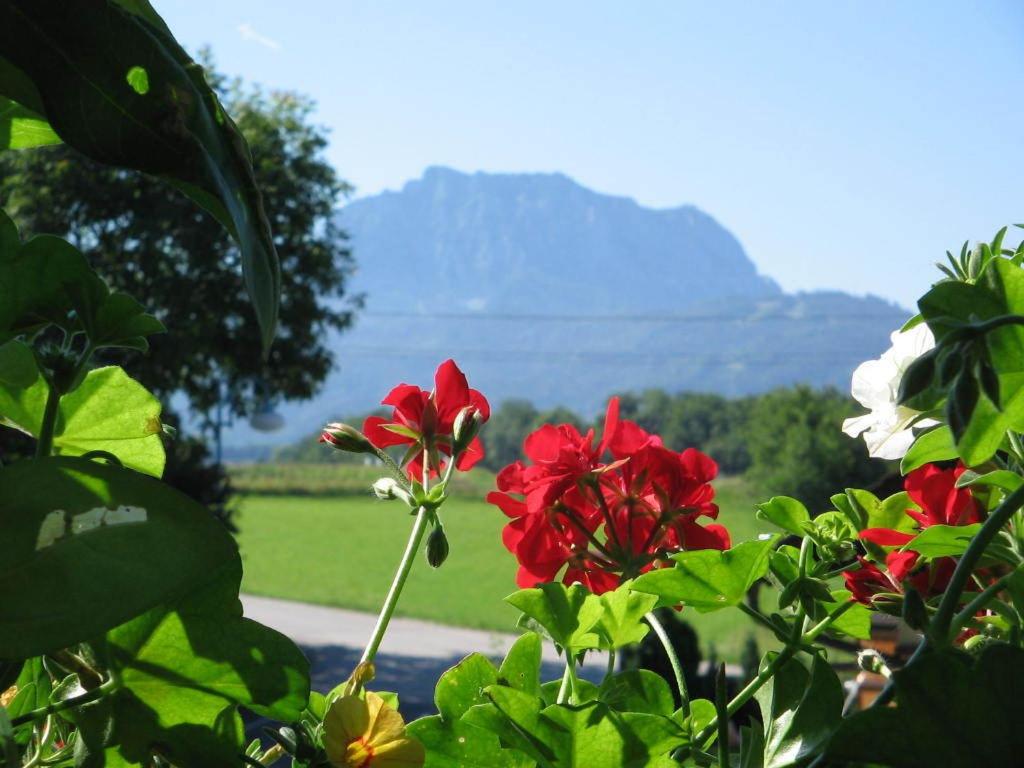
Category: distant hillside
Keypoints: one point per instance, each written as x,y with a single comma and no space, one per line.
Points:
541,288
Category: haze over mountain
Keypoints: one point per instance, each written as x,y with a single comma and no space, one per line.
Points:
543,289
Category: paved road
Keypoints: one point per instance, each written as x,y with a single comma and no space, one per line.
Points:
411,658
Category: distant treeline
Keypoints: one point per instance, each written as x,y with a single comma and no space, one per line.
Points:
787,441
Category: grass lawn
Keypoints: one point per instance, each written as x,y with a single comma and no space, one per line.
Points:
342,550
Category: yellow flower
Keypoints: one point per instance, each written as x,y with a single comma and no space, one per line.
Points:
367,733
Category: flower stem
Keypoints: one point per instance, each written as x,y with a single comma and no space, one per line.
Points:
673,659
941,624
563,689
980,601
109,686
45,444
401,575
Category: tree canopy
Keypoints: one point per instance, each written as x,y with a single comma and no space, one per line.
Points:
155,243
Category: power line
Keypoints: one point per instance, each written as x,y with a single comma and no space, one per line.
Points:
647,318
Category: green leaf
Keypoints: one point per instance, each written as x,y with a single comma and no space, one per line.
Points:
449,742
568,614
622,622
800,709
638,690
108,412
944,540
707,579
86,546
890,513
949,713
21,128
785,513
176,128
521,667
999,478
855,622
186,667
18,369
589,736
934,445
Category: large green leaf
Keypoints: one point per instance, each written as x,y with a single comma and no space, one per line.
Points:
86,546
449,742
143,104
109,412
800,708
521,667
569,614
185,667
949,713
48,280
708,579
638,690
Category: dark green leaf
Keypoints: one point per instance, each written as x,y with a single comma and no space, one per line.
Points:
176,128
86,546
949,714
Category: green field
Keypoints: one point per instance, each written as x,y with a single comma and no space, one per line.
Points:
341,549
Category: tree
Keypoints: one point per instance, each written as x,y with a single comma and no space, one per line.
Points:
160,247
798,449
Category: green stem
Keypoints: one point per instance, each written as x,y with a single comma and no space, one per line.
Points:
574,683
111,685
759,617
774,665
722,718
980,601
611,664
402,574
563,689
673,659
45,445
398,583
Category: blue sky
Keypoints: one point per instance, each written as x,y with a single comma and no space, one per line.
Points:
846,144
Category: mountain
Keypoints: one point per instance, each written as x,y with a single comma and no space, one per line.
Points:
541,288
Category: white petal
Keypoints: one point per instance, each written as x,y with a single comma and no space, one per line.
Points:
857,424
884,444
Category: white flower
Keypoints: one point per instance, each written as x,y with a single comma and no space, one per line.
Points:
876,384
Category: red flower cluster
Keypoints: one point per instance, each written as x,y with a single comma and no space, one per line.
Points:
426,421
940,502
604,521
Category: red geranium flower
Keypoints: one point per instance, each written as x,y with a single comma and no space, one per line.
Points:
604,521
425,421
933,490
871,585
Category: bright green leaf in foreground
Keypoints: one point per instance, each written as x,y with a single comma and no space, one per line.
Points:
185,668
109,412
707,579
21,128
785,513
944,540
569,614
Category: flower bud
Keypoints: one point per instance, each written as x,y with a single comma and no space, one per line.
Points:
387,488
346,438
467,426
437,547
871,660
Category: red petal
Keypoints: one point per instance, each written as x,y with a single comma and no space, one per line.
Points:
885,537
507,504
468,458
611,425
451,391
